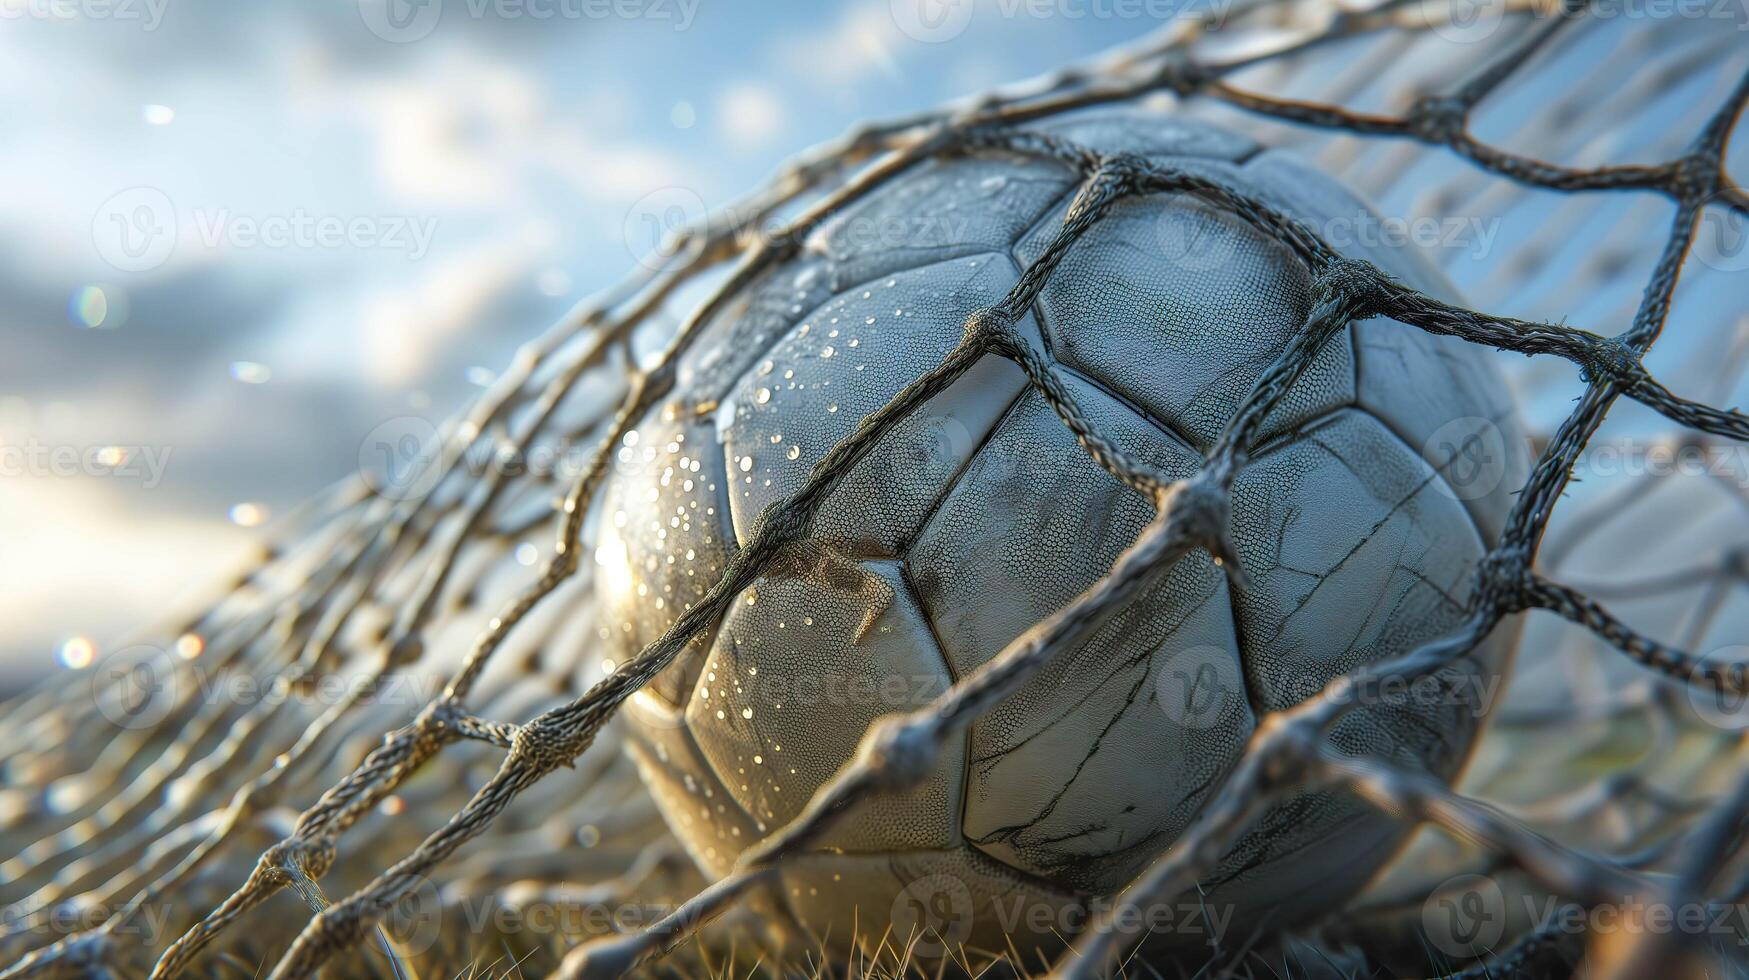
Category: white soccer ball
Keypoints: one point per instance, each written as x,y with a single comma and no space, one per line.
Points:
1375,487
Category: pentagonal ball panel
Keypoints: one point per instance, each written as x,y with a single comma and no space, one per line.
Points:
664,539
804,664
1179,307
846,360
1105,756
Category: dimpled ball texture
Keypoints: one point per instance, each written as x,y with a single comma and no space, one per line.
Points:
980,515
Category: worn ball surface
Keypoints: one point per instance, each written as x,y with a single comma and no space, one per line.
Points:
1376,485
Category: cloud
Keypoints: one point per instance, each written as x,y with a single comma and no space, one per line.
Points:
860,44
400,329
750,115
108,580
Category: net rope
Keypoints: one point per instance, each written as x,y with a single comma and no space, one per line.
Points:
152,822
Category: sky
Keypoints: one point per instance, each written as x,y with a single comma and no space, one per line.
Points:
237,237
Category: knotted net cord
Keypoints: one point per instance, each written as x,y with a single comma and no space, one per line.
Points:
152,829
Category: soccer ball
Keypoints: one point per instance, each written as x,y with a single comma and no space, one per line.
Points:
1374,488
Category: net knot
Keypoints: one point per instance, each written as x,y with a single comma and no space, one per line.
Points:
899,751
1503,581
1285,746
404,652
1202,510
1614,360
544,745
1697,176
1199,504
1124,166
990,329
1182,76
1438,118
1735,563
784,520
442,715
299,857
1355,279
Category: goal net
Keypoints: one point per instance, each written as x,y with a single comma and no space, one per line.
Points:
401,715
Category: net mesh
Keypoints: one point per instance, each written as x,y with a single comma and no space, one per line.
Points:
149,817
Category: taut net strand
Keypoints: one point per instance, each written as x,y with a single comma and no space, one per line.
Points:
172,815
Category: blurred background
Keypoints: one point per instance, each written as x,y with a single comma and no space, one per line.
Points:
248,247
235,239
